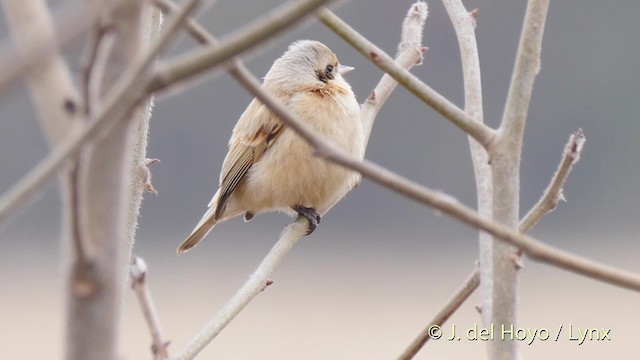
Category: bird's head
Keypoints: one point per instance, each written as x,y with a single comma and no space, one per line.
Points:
306,65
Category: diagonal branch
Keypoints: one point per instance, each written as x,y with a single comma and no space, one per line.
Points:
130,90
535,249
553,194
198,61
410,53
258,281
433,328
546,204
479,131
138,274
75,22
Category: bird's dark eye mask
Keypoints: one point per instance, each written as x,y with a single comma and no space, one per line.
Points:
327,74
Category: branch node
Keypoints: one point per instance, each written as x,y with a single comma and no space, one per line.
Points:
160,351
84,283
372,97
137,270
517,260
473,16
70,106
145,173
560,198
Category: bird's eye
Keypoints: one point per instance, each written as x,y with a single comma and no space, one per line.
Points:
327,74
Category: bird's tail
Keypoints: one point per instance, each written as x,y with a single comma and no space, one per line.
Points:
201,230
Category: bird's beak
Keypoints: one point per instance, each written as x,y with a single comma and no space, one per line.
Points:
343,69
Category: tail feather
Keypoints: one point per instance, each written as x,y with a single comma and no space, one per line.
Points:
201,230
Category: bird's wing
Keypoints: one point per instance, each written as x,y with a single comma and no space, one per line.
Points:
255,133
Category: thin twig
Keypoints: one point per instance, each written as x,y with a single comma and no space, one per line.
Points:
434,327
479,131
198,61
138,274
79,252
410,53
258,281
97,33
553,194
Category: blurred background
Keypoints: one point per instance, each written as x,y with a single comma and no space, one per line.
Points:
378,268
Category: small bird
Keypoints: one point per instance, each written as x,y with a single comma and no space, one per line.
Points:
268,166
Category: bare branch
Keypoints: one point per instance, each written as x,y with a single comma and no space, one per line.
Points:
410,53
501,307
95,37
75,22
553,194
138,274
50,82
106,178
482,133
257,32
535,249
434,326
548,202
53,93
526,69
464,23
258,281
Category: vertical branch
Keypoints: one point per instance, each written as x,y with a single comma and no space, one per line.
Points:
96,286
464,23
505,168
138,168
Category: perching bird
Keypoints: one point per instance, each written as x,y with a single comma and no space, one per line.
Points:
268,166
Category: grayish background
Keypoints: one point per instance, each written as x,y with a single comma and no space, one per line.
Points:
379,265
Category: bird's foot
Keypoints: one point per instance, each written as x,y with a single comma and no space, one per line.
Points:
311,214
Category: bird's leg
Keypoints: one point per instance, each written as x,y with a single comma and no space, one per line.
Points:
311,214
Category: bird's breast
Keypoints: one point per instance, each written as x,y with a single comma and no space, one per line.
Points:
289,174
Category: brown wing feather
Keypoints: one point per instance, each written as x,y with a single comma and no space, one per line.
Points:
242,155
